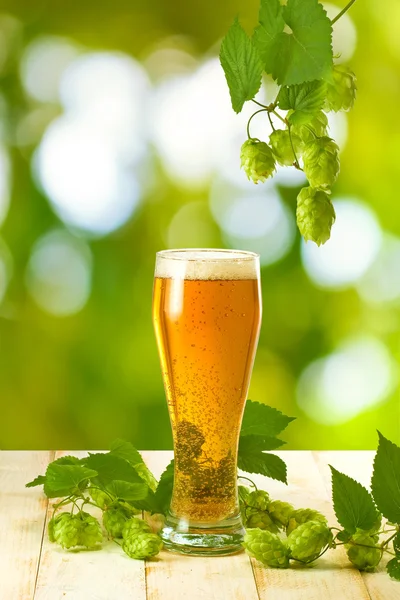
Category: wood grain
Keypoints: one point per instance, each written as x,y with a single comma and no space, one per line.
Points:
22,516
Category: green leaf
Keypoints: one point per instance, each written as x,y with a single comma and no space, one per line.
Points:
242,66
393,568
130,492
39,480
294,41
353,504
164,489
343,536
260,419
253,443
110,467
266,464
396,543
66,479
385,481
305,99
128,452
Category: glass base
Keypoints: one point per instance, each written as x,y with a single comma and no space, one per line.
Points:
200,539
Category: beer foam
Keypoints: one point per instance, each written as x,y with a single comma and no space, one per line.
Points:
207,264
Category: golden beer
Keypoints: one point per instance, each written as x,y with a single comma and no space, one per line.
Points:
206,311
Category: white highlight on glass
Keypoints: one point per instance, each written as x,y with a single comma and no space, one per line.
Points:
359,375
354,244
59,273
381,283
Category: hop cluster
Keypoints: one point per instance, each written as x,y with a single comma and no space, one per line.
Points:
321,162
284,150
308,540
257,160
75,530
302,515
315,215
365,556
267,547
114,519
341,93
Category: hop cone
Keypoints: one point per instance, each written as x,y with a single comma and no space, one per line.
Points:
90,534
303,515
315,215
308,539
280,512
282,148
141,546
259,519
341,94
66,530
257,160
100,498
134,527
258,499
114,519
365,559
267,547
321,162
319,124
243,493
147,476
54,524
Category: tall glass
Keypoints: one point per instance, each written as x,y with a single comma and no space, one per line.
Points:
207,315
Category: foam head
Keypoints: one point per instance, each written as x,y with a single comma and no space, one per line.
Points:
207,264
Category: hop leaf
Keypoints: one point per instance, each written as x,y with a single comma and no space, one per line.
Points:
257,160
282,148
321,162
303,515
260,519
318,123
280,512
308,540
266,547
365,559
341,94
315,215
114,519
142,545
134,527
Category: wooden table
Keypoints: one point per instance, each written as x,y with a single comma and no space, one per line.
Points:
33,568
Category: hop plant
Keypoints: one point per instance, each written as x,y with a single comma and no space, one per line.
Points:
280,512
135,526
260,519
114,519
282,147
315,215
341,93
318,124
308,540
266,547
303,515
321,162
365,559
257,160
75,530
142,545
258,499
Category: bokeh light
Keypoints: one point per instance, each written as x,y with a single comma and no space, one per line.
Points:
381,282
355,241
59,273
5,172
354,378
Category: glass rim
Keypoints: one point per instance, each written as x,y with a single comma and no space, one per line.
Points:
181,254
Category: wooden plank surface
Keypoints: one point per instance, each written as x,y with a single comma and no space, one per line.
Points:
22,516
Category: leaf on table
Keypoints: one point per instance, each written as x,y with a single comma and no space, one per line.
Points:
260,419
110,467
353,504
39,480
294,41
241,64
393,568
66,479
130,492
263,463
128,452
385,481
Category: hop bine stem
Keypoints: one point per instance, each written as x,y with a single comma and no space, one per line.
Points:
249,121
346,8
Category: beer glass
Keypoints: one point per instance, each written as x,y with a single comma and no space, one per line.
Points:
207,314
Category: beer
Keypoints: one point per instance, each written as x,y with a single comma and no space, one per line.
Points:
206,311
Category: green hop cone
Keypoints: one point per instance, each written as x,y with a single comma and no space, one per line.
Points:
303,515
266,547
90,533
321,162
280,512
257,160
144,472
135,526
318,124
260,519
66,530
315,215
341,93
100,498
308,540
365,559
258,499
114,519
54,523
142,545
282,148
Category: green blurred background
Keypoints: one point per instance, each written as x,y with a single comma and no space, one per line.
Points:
118,140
